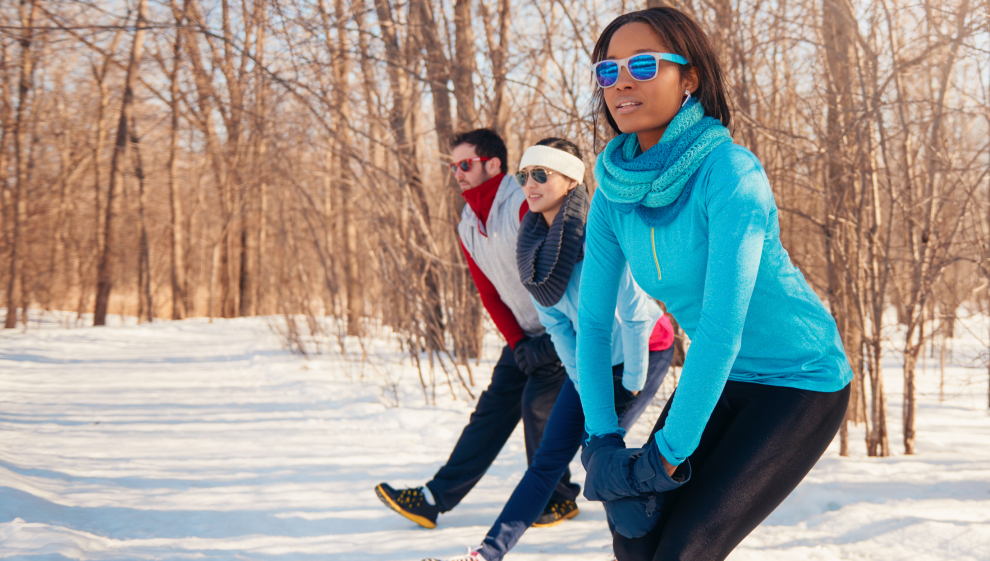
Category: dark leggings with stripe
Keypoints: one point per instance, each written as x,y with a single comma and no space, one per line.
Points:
758,445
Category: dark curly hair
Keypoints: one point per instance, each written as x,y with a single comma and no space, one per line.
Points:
487,144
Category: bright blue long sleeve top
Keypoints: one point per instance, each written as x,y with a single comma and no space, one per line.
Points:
721,271
634,317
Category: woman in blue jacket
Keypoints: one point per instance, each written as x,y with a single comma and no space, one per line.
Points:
765,380
550,251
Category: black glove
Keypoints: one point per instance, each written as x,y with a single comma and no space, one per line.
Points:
623,397
533,353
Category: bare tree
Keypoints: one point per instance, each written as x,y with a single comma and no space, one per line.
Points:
146,308
28,11
105,267
177,242
927,203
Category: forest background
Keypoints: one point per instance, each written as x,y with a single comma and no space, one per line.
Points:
178,158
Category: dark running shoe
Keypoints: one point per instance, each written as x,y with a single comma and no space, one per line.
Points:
555,513
410,503
471,555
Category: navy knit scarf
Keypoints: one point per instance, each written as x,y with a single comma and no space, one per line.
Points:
546,255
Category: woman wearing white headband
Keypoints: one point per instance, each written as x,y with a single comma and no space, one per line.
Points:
549,253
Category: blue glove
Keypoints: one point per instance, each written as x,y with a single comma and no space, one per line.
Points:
605,458
630,482
634,517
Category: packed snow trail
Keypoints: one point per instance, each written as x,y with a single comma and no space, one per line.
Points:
198,440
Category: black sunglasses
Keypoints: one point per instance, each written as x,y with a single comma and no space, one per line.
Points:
540,176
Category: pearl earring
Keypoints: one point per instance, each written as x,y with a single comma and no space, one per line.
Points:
688,94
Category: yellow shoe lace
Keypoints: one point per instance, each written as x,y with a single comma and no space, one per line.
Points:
411,498
561,508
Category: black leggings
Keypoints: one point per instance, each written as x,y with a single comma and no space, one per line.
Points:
758,445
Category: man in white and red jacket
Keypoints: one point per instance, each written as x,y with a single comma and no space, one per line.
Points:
528,375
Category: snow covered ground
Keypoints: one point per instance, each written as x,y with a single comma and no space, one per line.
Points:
198,440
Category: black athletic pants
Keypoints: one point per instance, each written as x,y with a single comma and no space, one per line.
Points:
512,395
758,445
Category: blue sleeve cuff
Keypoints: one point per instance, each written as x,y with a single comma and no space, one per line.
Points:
617,430
633,382
665,449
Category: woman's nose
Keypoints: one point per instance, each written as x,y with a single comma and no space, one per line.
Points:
625,80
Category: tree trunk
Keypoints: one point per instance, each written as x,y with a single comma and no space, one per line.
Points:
249,267
27,12
146,308
352,274
924,243
469,338
910,406
177,243
877,441
206,96
105,267
841,245
912,349
499,52
262,245
401,122
234,275
251,250
344,185
101,76
438,73
464,68
468,334
5,129
58,270
214,268
941,365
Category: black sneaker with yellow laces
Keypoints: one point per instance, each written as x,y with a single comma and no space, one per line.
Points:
555,513
410,503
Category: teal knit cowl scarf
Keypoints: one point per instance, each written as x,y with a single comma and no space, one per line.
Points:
653,182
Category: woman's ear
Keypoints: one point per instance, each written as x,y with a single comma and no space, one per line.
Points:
573,183
691,80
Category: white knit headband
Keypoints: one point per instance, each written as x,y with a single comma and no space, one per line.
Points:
555,159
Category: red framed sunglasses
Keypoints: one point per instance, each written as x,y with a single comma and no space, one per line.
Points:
465,165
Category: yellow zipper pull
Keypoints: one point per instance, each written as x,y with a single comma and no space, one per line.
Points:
655,260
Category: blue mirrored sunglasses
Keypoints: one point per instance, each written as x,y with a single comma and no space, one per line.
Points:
641,67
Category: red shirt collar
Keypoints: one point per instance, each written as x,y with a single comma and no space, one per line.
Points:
482,197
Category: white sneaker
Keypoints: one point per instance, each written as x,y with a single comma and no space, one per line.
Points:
472,554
